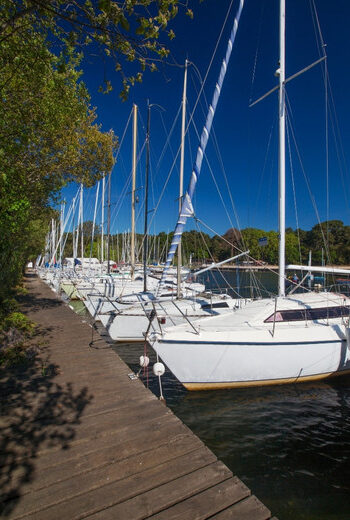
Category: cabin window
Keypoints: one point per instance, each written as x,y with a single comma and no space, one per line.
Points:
217,305
321,313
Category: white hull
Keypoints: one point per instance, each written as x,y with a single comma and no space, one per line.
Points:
99,306
109,289
246,352
125,327
119,287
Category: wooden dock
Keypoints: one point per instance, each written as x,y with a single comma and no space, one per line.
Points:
80,439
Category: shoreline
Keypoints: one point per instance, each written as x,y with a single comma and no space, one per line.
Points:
266,267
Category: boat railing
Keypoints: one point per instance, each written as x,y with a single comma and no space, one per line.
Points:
156,307
342,288
185,316
101,300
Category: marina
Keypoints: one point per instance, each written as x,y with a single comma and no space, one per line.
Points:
297,436
160,357
81,439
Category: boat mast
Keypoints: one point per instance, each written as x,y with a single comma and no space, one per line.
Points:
282,155
103,219
134,140
94,221
61,233
186,207
109,223
182,156
81,224
145,238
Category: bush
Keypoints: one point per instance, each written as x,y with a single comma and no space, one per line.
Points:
17,320
15,329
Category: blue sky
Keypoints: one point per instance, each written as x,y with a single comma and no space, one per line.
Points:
246,137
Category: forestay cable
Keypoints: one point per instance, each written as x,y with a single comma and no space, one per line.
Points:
186,207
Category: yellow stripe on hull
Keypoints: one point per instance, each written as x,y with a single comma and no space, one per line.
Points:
266,382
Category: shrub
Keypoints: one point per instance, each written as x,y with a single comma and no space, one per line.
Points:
15,328
17,320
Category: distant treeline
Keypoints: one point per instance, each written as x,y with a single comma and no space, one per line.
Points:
328,242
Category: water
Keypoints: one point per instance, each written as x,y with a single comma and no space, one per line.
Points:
263,284
247,284
289,444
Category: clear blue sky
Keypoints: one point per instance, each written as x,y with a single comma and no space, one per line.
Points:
246,137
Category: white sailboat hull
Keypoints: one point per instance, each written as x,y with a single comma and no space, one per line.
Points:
232,364
244,350
126,327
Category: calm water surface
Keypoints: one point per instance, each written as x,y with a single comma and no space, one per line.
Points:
289,444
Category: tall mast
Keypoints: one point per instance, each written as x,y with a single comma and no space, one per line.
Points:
109,223
73,233
61,233
81,224
145,238
103,219
186,207
182,156
282,155
52,244
134,143
94,221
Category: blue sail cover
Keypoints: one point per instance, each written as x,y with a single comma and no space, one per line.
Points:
186,208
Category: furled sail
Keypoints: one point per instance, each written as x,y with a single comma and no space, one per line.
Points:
186,208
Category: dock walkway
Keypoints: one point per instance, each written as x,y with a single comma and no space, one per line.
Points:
80,439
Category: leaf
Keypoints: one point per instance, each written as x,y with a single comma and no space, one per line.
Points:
104,5
124,23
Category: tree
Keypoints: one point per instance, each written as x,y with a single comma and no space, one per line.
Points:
251,240
47,138
292,248
331,236
126,32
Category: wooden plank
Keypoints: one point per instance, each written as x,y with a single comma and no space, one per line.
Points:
204,505
166,495
56,440
110,454
94,407
108,471
249,509
132,415
52,461
56,375
108,494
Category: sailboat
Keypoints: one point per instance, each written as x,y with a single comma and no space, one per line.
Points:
127,318
287,339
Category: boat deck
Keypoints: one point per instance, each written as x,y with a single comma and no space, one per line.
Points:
80,439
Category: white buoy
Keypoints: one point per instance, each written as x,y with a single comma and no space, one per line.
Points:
158,369
144,361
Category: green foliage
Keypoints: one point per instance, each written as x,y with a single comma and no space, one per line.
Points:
7,306
12,356
129,31
17,320
48,135
201,247
15,330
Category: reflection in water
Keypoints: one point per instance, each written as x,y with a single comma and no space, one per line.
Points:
289,444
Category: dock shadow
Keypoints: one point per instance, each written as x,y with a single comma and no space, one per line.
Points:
36,414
